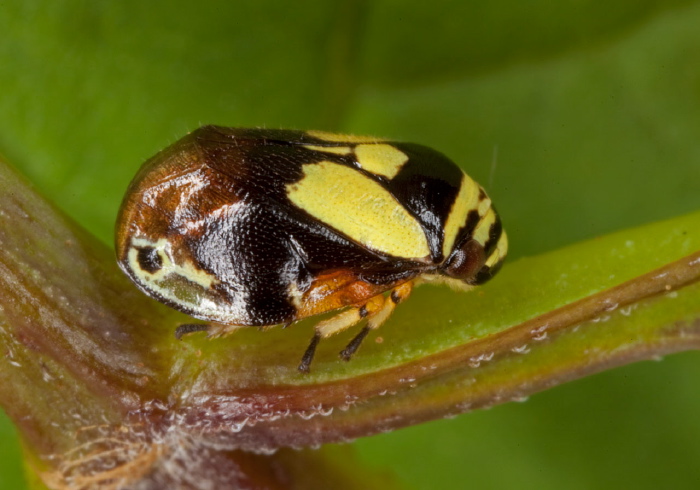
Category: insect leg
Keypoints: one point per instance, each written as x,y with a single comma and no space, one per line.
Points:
378,317
309,354
213,329
338,323
189,328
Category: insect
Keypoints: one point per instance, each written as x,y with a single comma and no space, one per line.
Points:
260,227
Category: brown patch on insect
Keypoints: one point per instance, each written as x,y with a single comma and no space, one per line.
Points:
336,290
159,201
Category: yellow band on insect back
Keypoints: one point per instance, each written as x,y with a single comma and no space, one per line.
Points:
359,207
381,159
499,252
467,200
341,138
336,150
481,232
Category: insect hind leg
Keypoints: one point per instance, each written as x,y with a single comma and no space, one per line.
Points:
188,328
213,330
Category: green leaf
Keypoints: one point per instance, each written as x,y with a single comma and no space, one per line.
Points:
101,390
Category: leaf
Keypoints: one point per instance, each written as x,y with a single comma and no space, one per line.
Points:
103,392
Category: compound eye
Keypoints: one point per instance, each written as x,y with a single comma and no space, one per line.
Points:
149,259
465,262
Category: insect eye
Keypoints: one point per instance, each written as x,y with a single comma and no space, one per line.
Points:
465,262
149,259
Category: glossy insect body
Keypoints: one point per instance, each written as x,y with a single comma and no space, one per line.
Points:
253,227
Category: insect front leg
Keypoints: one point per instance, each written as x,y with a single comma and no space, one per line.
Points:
336,324
377,309
378,317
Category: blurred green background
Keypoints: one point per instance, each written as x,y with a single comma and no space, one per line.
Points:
580,117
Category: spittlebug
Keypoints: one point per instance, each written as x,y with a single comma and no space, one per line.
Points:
259,227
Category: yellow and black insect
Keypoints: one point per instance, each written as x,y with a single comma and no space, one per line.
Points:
258,227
